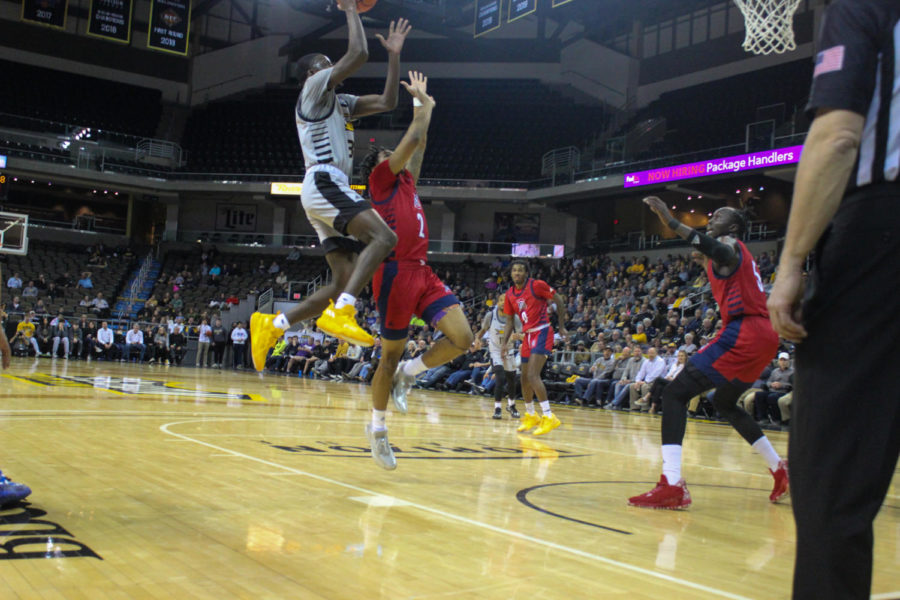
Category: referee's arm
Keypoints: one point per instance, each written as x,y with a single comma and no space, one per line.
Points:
826,163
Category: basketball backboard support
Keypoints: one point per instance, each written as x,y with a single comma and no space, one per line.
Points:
13,233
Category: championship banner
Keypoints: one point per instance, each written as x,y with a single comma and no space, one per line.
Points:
170,25
520,8
111,19
487,16
45,12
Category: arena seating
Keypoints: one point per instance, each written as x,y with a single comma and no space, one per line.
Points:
89,102
503,135
53,260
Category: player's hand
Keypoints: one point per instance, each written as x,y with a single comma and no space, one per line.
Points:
396,36
784,304
563,333
659,207
417,87
346,5
699,258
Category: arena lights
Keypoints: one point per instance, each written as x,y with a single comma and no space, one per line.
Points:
716,166
2,161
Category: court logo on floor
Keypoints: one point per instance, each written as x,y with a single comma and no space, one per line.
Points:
524,448
24,534
139,386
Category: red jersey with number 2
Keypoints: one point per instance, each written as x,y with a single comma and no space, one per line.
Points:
741,294
394,197
530,303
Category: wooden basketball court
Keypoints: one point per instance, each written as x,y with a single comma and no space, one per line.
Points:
156,482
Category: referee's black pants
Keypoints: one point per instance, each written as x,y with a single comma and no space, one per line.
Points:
845,430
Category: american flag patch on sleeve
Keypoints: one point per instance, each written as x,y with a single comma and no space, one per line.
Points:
829,61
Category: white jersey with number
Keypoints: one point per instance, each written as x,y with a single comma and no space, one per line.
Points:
495,339
323,124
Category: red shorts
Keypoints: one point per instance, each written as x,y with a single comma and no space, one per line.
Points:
407,288
537,342
739,353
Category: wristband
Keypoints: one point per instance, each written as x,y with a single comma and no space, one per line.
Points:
673,223
417,102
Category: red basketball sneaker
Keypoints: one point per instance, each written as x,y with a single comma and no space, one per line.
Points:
782,481
671,497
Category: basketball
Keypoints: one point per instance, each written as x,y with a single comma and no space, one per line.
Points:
364,5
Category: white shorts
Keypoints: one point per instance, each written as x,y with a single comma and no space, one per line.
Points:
508,362
330,205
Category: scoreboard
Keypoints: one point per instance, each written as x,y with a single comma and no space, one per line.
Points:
4,178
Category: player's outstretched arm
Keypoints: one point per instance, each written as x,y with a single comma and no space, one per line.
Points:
417,130
485,325
722,254
560,302
377,103
357,48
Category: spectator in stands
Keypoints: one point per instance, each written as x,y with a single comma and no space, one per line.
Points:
85,281
639,336
51,293
587,390
44,335
134,343
160,346
64,281
30,290
204,339
77,337
780,382
86,302
621,389
581,356
238,342
219,342
652,368
61,333
88,337
177,340
177,303
14,282
654,397
15,306
274,268
105,345
99,305
25,335
688,346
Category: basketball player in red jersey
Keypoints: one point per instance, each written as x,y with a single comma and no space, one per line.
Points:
404,284
730,363
527,298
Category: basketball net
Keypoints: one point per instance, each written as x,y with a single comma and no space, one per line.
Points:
769,25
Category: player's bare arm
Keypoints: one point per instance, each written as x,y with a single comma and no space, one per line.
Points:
507,332
560,302
833,140
414,135
723,251
414,166
387,100
485,325
357,48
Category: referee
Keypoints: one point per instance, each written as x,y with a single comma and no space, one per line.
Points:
845,434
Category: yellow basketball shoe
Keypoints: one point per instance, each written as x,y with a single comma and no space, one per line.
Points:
263,335
548,424
341,323
528,421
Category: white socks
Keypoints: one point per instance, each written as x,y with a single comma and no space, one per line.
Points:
281,322
378,423
545,408
498,405
414,367
764,447
529,408
671,455
345,299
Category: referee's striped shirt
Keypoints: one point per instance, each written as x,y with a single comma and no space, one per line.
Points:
856,69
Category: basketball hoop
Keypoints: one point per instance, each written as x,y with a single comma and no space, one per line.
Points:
769,25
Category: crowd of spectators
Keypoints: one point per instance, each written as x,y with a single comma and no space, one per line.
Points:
635,324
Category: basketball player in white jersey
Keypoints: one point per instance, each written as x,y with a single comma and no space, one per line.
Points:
502,364
355,239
